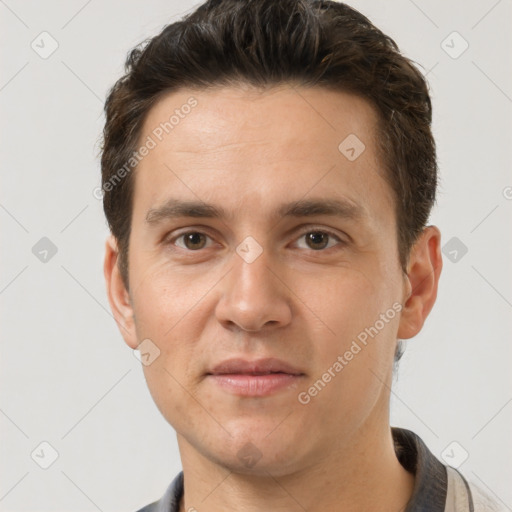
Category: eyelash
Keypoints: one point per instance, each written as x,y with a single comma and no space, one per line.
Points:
341,242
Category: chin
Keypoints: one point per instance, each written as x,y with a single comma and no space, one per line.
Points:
259,451
255,462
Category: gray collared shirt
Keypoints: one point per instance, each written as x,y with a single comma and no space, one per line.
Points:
437,488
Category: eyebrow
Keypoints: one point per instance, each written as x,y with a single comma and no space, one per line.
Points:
175,208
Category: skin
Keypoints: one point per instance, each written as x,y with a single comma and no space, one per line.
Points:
249,152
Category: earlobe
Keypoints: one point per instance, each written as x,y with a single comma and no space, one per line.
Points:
424,270
117,294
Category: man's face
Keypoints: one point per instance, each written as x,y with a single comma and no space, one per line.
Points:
273,277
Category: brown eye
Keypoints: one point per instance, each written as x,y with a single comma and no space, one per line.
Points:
317,240
192,240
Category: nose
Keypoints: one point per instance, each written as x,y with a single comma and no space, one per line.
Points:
254,296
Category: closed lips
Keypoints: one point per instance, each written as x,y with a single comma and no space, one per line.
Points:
256,367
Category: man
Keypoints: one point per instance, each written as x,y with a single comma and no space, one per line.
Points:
268,173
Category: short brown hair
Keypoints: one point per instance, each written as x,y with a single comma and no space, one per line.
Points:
271,42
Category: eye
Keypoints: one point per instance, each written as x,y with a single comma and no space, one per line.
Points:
192,240
318,240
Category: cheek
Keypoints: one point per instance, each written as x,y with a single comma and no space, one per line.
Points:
162,297
357,335
165,307
347,301
171,310
353,366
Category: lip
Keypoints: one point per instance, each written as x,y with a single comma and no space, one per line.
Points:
255,367
260,377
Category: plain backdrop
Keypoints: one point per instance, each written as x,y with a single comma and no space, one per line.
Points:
66,376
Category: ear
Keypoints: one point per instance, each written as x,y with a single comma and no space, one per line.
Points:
118,296
424,269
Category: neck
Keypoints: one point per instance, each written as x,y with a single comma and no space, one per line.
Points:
361,473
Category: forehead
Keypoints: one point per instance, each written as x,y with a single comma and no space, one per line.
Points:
239,143
224,115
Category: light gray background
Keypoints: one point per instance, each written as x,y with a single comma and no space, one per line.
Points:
66,376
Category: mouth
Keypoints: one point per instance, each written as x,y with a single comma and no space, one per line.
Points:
255,378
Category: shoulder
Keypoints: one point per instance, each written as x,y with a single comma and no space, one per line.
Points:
170,501
464,495
152,507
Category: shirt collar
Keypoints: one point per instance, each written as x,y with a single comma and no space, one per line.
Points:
430,484
431,481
